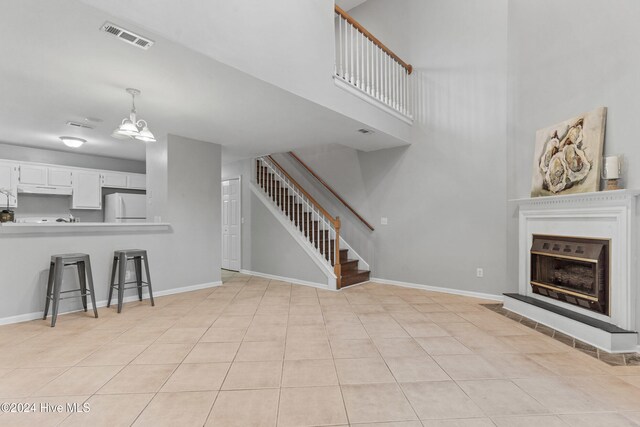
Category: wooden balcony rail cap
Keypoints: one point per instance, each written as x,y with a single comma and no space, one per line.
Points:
373,38
331,190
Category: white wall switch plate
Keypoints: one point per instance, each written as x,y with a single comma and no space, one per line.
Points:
479,272
384,220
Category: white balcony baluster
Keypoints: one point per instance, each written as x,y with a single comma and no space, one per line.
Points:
367,65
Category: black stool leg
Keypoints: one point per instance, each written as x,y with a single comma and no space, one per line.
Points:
49,290
138,265
113,280
82,278
87,265
57,283
122,270
146,268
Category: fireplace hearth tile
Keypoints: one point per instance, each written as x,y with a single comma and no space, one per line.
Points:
607,327
563,338
611,359
545,330
593,354
632,359
584,346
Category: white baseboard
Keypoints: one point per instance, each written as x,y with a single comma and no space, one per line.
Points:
284,279
473,294
38,314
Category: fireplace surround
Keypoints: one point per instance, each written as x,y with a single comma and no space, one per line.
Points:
608,220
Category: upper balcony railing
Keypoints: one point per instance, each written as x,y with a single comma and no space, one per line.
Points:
363,62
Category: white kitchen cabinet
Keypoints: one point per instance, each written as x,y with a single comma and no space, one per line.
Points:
87,190
114,180
33,174
59,177
9,181
137,181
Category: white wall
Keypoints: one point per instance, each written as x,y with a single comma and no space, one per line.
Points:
339,167
187,256
192,204
557,71
445,195
267,247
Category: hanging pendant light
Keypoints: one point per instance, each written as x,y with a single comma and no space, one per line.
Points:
132,127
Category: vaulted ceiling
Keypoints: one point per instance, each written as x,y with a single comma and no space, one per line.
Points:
57,66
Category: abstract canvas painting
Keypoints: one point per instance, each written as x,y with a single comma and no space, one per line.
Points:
568,155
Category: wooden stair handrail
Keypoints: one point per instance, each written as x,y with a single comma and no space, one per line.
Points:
331,190
334,221
371,37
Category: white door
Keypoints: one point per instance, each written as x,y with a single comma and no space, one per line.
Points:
231,214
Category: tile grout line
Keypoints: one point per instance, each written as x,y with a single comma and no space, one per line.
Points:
167,379
284,355
244,285
389,368
335,368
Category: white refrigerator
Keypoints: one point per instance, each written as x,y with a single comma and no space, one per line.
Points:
122,207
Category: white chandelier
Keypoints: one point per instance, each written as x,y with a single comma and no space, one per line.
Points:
132,127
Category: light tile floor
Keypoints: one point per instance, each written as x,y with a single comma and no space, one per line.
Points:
255,352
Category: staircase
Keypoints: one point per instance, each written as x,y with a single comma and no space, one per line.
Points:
320,230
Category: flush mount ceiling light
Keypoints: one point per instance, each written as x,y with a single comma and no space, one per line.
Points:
72,141
132,127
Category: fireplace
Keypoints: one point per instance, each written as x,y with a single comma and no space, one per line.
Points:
573,270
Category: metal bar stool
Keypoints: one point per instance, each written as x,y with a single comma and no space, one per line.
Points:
54,284
120,259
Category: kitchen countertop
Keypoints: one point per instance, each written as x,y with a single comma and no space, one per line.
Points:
7,228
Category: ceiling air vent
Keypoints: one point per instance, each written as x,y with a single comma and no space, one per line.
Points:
127,36
80,125
365,131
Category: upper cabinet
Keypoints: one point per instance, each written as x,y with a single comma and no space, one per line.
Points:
134,181
114,179
84,185
137,181
87,190
60,177
33,174
43,175
9,182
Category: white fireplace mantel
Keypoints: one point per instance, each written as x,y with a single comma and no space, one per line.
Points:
603,215
598,197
